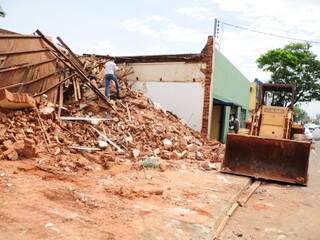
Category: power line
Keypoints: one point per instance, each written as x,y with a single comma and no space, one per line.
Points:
269,34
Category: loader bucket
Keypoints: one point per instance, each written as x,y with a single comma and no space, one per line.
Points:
266,158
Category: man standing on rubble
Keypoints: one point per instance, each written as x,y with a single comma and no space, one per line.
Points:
110,69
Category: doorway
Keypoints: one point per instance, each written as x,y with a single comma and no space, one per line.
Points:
216,122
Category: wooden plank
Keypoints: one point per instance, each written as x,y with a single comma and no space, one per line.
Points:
71,52
60,100
19,67
76,68
84,119
54,86
244,198
78,88
3,36
85,148
24,52
30,82
108,140
75,91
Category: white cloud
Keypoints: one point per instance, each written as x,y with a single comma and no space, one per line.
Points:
159,18
104,47
139,25
293,18
280,14
243,48
312,108
196,12
167,31
158,49
175,33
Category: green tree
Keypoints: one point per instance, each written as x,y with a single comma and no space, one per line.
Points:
294,64
300,115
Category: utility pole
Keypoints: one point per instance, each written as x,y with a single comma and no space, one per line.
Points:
215,28
2,13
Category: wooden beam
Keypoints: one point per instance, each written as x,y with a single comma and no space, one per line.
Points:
24,52
89,119
30,82
77,69
85,148
71,52
108,140
19,67
3,36
54,86
60,100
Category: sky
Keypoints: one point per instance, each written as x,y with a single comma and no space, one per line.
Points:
142,27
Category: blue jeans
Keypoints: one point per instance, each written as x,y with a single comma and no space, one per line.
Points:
108,78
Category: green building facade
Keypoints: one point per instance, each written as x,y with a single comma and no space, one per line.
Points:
230,93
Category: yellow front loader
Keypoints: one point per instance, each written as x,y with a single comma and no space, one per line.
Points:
275,148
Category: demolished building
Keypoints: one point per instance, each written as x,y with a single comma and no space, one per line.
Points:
75,163
204,89
133,127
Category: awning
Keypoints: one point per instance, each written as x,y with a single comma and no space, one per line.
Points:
223,103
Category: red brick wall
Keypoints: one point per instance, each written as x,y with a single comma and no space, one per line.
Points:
207,85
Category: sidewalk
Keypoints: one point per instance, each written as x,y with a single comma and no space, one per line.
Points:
198,201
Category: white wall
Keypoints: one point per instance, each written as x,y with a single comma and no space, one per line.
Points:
167,72
185,99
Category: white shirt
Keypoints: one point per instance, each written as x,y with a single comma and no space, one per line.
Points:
110,67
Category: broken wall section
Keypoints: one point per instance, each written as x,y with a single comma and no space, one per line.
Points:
180,83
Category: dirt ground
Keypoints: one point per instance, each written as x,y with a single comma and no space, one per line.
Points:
182,202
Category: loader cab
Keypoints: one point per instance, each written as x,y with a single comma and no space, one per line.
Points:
275,113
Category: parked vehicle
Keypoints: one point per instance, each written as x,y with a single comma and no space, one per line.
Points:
316,134
308,133
312,126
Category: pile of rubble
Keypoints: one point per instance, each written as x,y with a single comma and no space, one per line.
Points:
132,128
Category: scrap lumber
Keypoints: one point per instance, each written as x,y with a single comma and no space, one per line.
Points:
80,64
89,119
75,67
90,149
21,84
26,65
43,129
128,111
107,139
78,88
24,52
55,85
244,198
16,100
75,91
60,100
245,195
